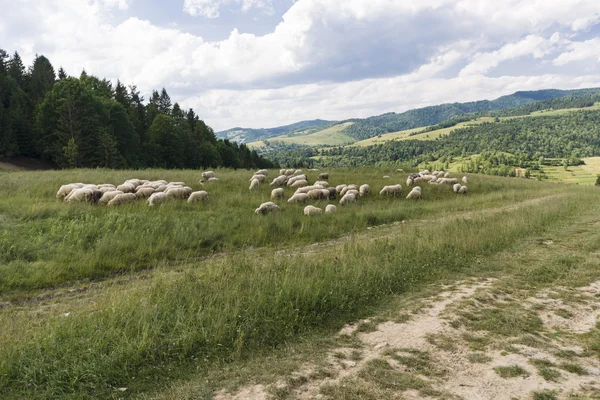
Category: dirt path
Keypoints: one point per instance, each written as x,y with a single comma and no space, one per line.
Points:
445,352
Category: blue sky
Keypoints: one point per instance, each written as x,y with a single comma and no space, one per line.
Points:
263,63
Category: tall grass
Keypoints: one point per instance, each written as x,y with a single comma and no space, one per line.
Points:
143,334
44,242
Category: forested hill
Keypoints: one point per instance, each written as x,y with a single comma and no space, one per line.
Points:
247,135
85,121
572,135
392,122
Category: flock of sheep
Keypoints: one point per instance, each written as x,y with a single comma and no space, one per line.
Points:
321,190
156,192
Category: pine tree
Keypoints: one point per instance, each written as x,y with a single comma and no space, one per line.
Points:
121,95
41,79
164,103
62,74
16,70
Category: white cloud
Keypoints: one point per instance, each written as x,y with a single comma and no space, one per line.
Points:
532,45
580,51
351,58
211,8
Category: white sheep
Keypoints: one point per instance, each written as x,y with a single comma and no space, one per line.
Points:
176,193
279,181
464,180
208,174
299,183
65,190
298,198
409,181
213,179
414,194
254,184
462,190
259,177
297,172
78,195
157,198
386,177
267,207
318,194
277,193
364,190
392,190
122,199
330,208
347,188
339,188
296,178
324,176
447,175
347,199
282,171
144,192
312,210
198,196
456,187
108,196
264,172
126,188
289,172
323,184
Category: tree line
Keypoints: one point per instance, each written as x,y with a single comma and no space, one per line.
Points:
85,121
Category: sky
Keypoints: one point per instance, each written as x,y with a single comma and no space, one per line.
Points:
265,63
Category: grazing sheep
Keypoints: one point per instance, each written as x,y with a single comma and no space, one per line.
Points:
330,208
318,194
353,191
105,189
108,196
323,184
65,190
364,190
198,196
254,184
79,195
462,190
277,193
297,172
386,177
447,175
339,188
289,172
161,188
208,174
399,170
279,181
213,179
409,181
144,192
176,193
282,171
260,178
106,185
122,199
299,183
393,190
298,198
262,172
157,198
296,178
414,194
347,188
312,210
324,176
456,187
464,180
126,188
267,207
347,199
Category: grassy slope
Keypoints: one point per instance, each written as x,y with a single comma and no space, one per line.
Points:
139,333
328,137
581,174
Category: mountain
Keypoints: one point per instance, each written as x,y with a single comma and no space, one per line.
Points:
360,129
246,135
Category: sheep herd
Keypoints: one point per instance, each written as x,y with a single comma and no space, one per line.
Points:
159,191
349,193
154,192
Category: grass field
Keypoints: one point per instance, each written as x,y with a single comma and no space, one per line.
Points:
582,174
332,136
120,302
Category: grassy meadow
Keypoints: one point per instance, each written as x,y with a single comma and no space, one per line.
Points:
102,302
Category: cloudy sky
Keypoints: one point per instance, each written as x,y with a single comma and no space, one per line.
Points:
263,63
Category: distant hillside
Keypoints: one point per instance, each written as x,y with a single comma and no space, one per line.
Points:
247,135
519,103
393,122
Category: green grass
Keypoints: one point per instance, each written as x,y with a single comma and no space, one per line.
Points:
478,358
511,371
141,331
333,136
545,395
44,242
